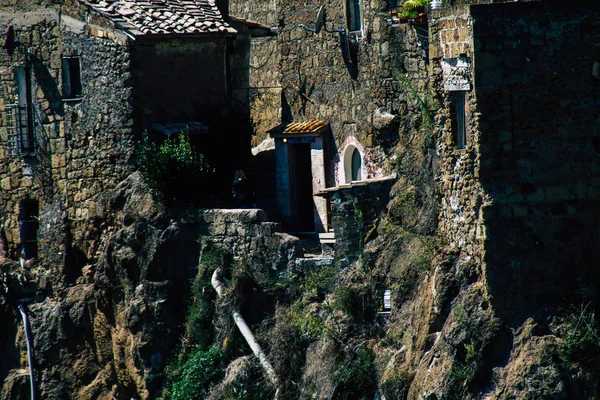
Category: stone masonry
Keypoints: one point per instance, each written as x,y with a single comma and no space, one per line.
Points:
522,197
85,145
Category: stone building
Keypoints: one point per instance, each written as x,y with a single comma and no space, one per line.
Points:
338,97
518,145
514,117
80,81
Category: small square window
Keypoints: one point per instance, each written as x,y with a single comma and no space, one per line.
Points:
71,78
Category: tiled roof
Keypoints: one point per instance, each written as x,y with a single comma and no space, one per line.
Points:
151,17
300,127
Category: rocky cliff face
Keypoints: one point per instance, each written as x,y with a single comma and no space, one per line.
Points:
110,333
113,331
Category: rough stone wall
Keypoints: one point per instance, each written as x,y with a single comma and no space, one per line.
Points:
462,195
521,195
262,90
539,158
248,236
84,146
352,93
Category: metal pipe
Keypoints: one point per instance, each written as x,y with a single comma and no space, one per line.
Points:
248,335
27,330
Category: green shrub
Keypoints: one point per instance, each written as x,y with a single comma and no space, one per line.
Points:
201,310
460,378
396,386
193,379
580,334
349,300
357,379
171,168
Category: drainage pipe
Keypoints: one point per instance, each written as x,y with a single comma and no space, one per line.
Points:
27,330
247,334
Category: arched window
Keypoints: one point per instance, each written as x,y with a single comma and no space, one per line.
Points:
352,164
356,165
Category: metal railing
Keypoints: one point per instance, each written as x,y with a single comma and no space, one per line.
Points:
22,127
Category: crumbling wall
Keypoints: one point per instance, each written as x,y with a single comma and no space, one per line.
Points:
248,237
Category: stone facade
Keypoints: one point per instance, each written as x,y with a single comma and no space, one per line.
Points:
84,146
364,84
261,87
522,196
85,141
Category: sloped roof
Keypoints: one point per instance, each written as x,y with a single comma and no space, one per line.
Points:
301,127
159,17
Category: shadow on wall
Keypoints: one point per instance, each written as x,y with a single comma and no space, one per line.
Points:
350,47
48,85
538,159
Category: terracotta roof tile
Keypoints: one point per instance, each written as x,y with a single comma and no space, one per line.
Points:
300,127
163,16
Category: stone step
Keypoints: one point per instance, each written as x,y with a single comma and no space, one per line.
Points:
327,237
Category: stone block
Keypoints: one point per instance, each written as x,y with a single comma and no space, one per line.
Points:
538,195
26,182
520,211
557,193
5,184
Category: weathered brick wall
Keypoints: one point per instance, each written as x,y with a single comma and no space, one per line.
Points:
84,146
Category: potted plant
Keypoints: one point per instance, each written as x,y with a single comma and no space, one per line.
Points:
414,10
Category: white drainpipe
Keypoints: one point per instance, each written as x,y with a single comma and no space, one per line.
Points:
27,330
247,334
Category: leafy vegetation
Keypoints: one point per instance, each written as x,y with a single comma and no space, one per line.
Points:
172,167
356,378
199,327
200,361
193,378
396,385
580,334
428,105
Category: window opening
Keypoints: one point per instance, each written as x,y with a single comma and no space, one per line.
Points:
352,164
356,165
353,15
71,78
459,128
29,223
23,118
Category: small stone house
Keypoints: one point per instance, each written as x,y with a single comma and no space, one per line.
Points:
80,81
338,102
